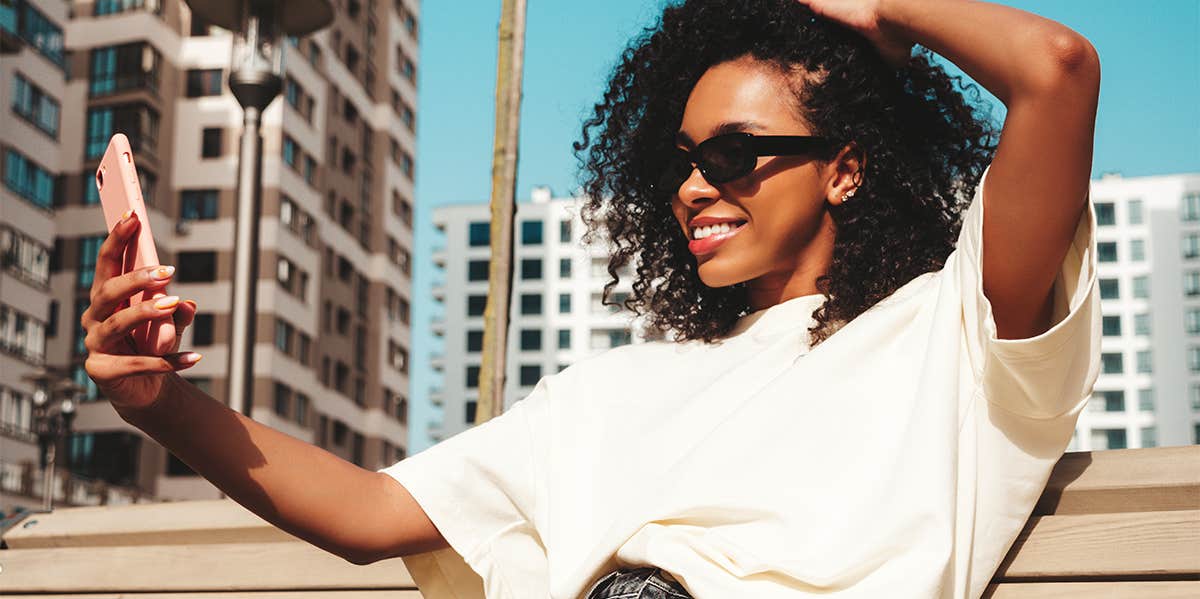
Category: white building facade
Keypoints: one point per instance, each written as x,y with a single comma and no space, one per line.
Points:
557,316
1148,242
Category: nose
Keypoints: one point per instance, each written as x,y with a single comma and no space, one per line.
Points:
696,190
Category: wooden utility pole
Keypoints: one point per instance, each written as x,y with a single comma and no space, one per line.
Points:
509,64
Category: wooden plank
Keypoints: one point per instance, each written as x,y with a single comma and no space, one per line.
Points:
172,523
1146,545
380,594
210,567
1094,590
1123,480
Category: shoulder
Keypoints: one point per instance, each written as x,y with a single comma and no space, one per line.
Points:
624,360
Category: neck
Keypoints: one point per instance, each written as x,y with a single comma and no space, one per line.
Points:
798,277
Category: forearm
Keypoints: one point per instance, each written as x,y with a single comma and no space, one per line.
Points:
1008,51
296,486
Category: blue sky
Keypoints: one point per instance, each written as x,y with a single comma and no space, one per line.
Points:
1148,122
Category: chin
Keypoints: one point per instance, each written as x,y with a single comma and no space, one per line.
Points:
714,274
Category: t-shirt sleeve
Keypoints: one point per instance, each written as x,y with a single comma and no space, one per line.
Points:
1050,374
478,487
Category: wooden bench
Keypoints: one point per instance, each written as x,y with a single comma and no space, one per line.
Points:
1113,524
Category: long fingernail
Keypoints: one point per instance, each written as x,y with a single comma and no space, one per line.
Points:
190,357
167,302
162,272
125,216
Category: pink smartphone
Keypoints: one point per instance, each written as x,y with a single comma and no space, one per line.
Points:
117,180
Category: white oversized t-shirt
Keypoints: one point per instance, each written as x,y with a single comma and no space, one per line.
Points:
898,458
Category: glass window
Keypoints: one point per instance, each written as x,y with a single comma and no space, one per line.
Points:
1194,358
564,268
1107,401
1141,287
203,82
1137,250
35,105
530,374
211,142
479,233
1194,392
564,339
1112,363
531,232
1112,326
202,330
89,248
1108,438
138,122
1109,288
1146,399
470,411
472,377
36,29
1191,283
1149,436
196,267
1106,251
477,270
531,339
1141,324
474,341
198,204
531,269
1192,321
1135,212
1191,245
127,66
1145,361
1106,213
289,152
564,303
29,180
476,305
531,303
564,231
1191,207
283,397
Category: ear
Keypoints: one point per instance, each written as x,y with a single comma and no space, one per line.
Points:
844,173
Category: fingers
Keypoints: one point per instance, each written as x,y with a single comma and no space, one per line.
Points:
184,315
110,295
113,332
110,260
107,368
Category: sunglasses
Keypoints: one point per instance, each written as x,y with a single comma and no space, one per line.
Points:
731,156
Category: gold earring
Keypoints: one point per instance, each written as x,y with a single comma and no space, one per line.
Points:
849,194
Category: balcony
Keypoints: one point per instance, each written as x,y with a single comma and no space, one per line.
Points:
438,327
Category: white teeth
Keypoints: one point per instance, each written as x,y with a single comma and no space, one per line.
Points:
702,232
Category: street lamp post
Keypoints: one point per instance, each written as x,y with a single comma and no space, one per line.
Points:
53,416
255,78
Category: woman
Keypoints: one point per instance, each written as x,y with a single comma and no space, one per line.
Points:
770,165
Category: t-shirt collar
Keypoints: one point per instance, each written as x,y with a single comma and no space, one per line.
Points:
784,316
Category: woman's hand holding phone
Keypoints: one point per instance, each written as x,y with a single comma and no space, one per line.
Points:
125,366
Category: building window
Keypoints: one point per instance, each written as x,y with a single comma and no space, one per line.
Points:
531,269
531,339
1112,363
1137,250
1149,436
1191,283
196,267
564,231
284,334
202,329
1107,401
477,270
479,233
126,67
290,152
25,257
531,232
1146,399
210,145
1108,438
530,374
1191,245
1110,288
1141,323
474,341
1135,212
89,248
35,28
531,303
1141,287
203,82
470,411
564,339
1145,361
1194,358
283,399
564,268
138,122
1112,326
198,204
1106,213
22,335
472,377
564,303
29,180
476,305
35,106
1191,207
1106,251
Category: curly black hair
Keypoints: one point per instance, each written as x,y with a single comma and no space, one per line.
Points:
925,149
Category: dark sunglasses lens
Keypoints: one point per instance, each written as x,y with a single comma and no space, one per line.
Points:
725,158
674,173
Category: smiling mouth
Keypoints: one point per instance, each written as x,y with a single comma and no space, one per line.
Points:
705,240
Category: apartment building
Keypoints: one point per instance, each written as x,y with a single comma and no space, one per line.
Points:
1148,246
556,317
335,257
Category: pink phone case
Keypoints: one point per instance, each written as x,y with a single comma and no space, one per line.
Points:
117,180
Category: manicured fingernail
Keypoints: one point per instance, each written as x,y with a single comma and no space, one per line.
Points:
125,216
166,302
193,303
190,357
162,272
